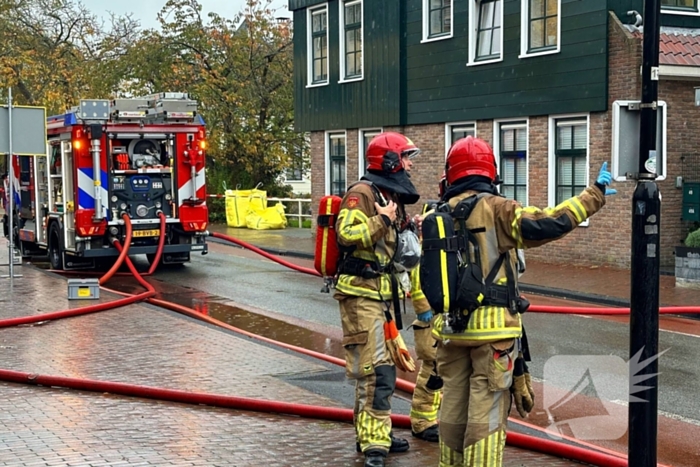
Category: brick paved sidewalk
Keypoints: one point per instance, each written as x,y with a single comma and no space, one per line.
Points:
140,344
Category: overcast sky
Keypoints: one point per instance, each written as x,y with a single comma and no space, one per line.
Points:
146,10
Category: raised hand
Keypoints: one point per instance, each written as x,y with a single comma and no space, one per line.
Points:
604,179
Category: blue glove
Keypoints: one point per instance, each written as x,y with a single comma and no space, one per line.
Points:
426,316
604,179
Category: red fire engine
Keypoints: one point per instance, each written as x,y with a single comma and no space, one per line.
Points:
140,157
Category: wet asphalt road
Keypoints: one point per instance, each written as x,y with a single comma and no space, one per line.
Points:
246,278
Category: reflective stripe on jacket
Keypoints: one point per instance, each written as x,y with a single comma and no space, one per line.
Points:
360,226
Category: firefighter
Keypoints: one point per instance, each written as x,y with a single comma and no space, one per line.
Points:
477,362
427,394
372,223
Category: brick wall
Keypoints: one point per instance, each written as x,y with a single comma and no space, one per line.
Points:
606,240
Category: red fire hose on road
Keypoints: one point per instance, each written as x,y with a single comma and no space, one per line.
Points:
302,410
267,255
533,308
346,415
92,308
607,311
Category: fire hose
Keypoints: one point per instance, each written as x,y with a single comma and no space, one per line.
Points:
515,439
532,309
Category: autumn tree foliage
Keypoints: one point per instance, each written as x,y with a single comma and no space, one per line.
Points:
55,52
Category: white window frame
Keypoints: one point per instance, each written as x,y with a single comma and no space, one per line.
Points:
361,168
341,7
426,23
552,158
525,32
474,9
310,44
448,132
509,122
327,148
615,162
673,11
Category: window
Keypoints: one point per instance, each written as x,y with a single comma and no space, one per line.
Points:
485,32
351,40
437,19
690,5
457,132
540,27
336,164
570,157
365,137
295,171
512,156
318,46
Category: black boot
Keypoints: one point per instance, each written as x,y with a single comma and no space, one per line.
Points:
431,434
397,445
374,458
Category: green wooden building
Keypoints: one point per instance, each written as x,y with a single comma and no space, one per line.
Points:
541,80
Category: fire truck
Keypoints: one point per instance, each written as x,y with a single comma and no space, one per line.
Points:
106,159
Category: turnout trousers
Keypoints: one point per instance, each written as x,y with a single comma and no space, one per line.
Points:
426,401
476,402
369,363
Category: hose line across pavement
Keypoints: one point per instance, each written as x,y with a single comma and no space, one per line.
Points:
588,454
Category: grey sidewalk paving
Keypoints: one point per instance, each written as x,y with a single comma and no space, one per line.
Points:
601,285
141,344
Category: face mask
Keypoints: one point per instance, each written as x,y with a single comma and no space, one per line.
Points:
407,251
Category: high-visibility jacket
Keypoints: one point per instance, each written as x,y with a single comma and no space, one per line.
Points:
502,226
360,226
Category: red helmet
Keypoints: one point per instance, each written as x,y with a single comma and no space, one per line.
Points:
470,156
385,151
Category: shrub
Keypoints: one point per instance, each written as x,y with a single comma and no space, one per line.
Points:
693,239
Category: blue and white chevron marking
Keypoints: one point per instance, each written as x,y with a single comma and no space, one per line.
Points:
86,190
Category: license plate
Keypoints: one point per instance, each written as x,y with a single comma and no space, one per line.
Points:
146,233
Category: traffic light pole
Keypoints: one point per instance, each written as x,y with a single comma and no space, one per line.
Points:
646,221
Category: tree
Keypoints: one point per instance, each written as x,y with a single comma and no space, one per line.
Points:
240,71
55,52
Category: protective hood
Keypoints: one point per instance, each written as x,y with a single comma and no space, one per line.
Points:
473,183
398,183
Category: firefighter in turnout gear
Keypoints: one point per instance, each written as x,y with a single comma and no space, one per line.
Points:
427,394
381,255
477,361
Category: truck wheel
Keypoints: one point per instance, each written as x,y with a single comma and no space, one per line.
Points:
55,250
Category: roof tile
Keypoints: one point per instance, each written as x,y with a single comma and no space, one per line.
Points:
679,49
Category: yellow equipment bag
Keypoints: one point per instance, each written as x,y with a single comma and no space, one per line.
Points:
257,199
267,219
239,202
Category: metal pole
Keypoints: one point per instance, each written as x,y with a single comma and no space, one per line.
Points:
11,178
646,221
